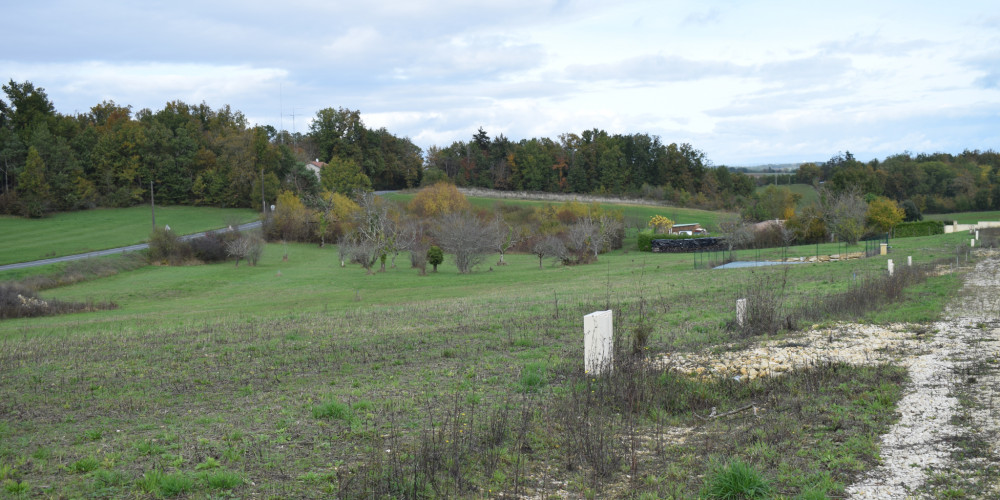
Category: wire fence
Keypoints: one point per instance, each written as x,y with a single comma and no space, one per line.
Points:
715,257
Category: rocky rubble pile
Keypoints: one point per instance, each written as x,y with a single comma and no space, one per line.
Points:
848,343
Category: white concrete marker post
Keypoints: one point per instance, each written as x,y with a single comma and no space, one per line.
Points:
977,235
598,342
741,311
909,260
890,267
972,242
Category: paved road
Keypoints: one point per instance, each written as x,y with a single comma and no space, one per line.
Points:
110,251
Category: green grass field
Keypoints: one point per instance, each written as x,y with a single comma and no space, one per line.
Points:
69,233
965,217
303,379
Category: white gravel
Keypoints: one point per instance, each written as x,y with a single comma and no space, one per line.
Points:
920,443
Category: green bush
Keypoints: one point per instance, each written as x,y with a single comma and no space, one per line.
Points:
645,239
435,256
166,247
922,228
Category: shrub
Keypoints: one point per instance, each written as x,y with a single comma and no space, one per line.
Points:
212,247
922,228
167,248
435,256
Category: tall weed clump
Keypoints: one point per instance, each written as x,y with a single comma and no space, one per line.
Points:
765,293
865,293
736,481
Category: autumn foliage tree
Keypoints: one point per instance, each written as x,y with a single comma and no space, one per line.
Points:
441,198
884,214
660,224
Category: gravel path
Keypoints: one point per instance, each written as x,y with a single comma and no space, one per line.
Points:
946,443
949,409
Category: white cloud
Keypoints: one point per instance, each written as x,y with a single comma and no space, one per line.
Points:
739,80
148,85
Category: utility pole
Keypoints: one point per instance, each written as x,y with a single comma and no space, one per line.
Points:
263,204
152,205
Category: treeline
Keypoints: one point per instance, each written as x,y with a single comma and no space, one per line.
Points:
186,154
113,156
592,162
934,183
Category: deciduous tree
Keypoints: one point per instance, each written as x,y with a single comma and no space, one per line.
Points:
439,199
465,236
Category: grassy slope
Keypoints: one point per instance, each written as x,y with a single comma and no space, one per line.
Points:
808,192
69,233
233,363
707,219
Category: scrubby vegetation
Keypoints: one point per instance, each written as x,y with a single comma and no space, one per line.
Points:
21,302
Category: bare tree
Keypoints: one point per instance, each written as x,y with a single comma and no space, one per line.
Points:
505,236
462,234
411,237
373,231
549,246
360,251
579,237
612,232
737,233
246,246
588,237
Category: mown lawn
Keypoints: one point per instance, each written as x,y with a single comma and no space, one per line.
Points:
69,233
303,379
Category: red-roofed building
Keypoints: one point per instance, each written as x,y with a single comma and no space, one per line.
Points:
315,166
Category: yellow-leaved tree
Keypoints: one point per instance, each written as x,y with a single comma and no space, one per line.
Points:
333,216
884,214
438,199
660,224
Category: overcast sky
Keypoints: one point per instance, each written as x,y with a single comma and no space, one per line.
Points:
747,82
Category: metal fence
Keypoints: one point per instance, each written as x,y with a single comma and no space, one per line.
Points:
707,259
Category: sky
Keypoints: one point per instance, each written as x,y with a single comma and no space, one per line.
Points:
746,82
